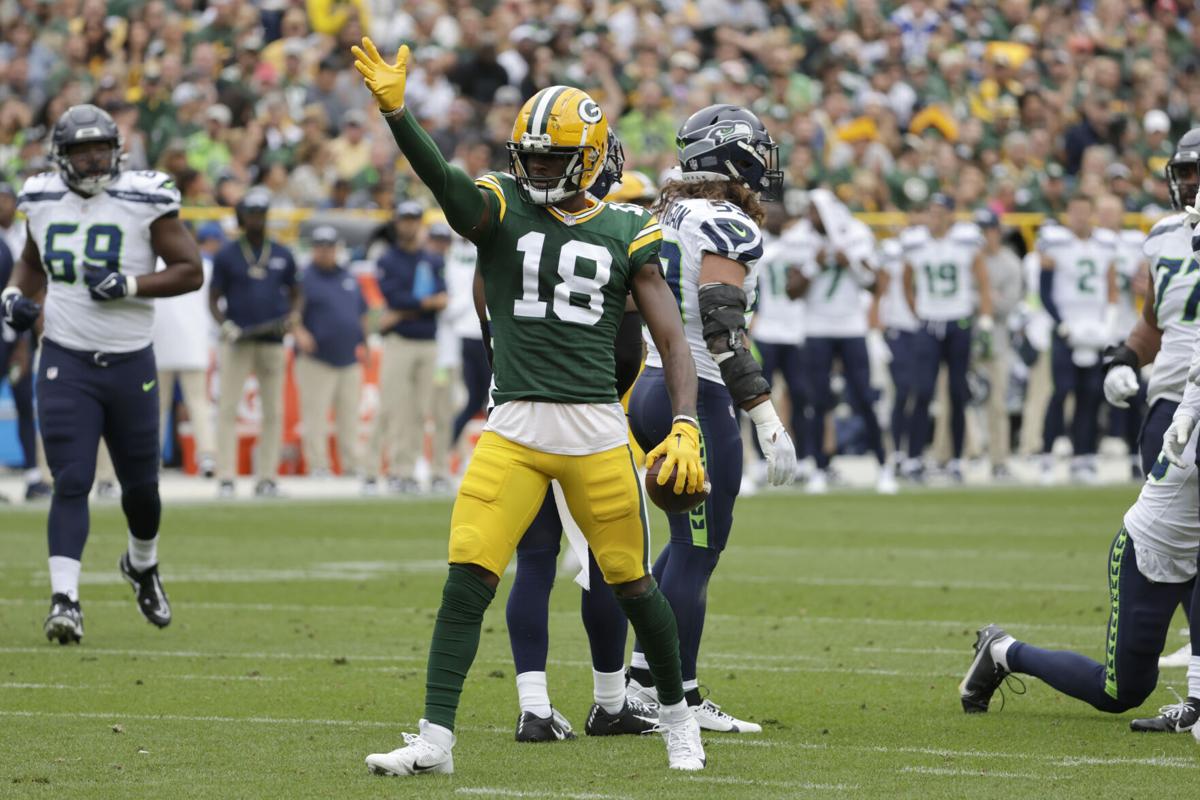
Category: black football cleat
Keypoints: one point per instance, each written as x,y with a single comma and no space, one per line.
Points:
151,598
984,676
38,490
65,620
635,718
554,728
1176,718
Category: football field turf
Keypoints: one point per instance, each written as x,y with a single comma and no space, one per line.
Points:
842,623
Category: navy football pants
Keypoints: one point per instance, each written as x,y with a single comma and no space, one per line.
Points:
1087,384
856,368
1138,626
683,568
904,382
82,397
790,359
934,344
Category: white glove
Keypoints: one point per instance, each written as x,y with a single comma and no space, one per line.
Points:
775,443
1176,437
1120,384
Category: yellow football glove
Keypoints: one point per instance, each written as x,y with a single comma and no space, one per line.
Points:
386,81
680,449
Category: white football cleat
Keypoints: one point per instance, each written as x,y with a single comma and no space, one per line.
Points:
685,751
418,756
886,482
818,483
1179,658
712,718
646,695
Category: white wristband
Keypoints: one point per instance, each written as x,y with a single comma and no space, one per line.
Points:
763,414
130,286
11,290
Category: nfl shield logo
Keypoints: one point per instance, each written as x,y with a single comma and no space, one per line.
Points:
51,373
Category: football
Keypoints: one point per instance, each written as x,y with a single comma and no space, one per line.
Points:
664,496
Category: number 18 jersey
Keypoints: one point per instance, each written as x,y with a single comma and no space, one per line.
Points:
691,228
110,229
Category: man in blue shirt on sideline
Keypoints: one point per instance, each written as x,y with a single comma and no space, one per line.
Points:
412,282
333,325
255,298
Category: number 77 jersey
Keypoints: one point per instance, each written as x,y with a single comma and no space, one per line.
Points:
556,286
110,229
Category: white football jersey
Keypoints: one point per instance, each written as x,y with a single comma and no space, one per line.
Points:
690,229
942,270
894,311
837,300
1080,273
111,228
778,319
460,287
1164,523
1175,275
1127,250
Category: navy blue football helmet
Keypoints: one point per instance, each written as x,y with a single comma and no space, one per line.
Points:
1183,170
84,124
614,167
730,143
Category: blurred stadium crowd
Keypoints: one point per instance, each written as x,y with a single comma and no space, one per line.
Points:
1001,108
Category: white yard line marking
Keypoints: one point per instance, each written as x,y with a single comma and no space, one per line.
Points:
718,779
16,685
493,791
936,585
974,773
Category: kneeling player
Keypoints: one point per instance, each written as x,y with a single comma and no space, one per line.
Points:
95,233
1152,570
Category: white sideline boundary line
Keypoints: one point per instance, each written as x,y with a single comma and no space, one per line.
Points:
1175,762
975,773
495,791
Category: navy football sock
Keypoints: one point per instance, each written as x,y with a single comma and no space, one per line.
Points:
528,609
143,510
603,620
685,583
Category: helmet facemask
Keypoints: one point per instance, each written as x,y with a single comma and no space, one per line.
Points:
1183,178
88,172
543,187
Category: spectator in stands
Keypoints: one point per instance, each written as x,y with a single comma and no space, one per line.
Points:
254,298
412,282
333,325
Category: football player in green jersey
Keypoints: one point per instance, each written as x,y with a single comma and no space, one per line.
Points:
556,266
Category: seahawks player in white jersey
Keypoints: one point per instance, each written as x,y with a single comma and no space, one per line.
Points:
838,270
943,273
711,246
94,234
778,328
1166,332
1151,572
1079,291
899,330
1124,423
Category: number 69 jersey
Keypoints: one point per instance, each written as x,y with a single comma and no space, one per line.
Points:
556,286
110,229
691,228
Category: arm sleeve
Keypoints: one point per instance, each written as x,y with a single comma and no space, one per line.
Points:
1046,290
463,202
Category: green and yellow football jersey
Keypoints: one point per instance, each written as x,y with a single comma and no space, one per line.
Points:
556,287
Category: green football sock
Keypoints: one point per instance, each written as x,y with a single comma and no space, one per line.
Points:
455,642
654,623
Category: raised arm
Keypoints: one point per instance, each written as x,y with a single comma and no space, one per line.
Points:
468,208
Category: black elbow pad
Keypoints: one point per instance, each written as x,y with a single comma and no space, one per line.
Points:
723,315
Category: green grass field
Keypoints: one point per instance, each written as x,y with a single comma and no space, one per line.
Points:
842,623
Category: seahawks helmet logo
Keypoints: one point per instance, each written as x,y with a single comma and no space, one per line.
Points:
729,131
589,111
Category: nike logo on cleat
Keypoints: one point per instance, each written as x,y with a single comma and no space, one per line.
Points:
418,768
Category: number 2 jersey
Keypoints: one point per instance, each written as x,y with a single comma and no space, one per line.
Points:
1175,277
110,229
691,228
1080,274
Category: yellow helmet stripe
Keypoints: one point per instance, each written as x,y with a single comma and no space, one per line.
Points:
540,118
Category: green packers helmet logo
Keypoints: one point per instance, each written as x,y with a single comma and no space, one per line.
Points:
589,111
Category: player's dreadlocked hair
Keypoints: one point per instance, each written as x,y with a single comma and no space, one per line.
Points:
739,194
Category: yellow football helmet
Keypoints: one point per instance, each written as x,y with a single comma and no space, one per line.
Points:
565,124
634,187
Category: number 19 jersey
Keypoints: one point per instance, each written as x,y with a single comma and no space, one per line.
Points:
556,286
109,229
691,228
942,271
